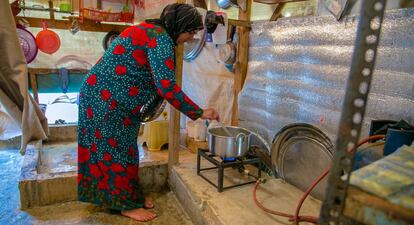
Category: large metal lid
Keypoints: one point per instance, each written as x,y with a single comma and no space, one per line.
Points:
194,47
300,153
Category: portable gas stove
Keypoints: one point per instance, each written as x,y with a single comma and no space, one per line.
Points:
221,164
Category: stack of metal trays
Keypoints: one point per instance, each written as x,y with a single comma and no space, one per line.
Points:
300,153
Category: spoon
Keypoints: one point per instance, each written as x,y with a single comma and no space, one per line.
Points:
225,129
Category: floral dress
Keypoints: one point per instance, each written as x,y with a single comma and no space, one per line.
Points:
138,65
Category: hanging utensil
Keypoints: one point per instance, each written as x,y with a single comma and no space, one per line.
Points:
109,38
27,43
47,40
74,28
227,51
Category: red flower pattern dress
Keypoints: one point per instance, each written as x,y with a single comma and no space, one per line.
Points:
138,65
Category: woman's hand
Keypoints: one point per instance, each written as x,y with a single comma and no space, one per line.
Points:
210,114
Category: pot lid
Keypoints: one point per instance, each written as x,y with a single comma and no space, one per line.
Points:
300,153
194,47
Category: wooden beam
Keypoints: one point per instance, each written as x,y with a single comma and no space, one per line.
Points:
242,59
51,10
86,25
271,2
201,4
33,83
174,126
239,23
278,11
54,71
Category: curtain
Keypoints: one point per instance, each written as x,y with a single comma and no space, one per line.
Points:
14,95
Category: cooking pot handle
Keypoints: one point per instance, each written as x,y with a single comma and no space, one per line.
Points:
240,140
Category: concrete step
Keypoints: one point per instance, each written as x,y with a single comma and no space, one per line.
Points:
49,173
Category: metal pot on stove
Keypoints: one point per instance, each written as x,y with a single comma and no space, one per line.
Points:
228,142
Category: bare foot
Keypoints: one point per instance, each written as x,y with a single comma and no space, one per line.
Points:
140,214
149,204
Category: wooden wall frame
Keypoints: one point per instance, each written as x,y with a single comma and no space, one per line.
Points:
242,57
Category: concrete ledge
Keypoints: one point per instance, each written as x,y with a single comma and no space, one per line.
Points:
39,189
44,188
12,143
206,206
63,132
195,207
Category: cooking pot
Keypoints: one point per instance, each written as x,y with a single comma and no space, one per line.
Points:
228,142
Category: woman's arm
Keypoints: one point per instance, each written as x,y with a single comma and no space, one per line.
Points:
161,59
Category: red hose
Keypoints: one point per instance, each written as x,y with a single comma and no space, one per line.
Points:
296,218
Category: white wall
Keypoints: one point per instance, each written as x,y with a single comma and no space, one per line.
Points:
86,45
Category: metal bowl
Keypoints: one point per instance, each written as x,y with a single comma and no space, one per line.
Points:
152,109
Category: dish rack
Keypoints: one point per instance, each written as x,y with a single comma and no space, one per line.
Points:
107,10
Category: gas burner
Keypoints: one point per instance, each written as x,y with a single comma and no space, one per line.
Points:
221,163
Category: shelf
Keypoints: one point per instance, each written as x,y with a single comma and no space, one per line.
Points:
45,10
86,25
383,192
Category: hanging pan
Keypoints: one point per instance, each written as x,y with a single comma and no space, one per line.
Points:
47,41
27,43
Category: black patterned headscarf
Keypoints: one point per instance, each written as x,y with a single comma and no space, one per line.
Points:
179,18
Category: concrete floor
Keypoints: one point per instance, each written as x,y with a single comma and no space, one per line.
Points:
166,204
200,200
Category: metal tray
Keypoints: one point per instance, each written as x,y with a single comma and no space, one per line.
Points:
300,152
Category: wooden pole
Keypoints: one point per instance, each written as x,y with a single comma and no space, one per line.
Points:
278,11
174,121
200,3
242,59
51,12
